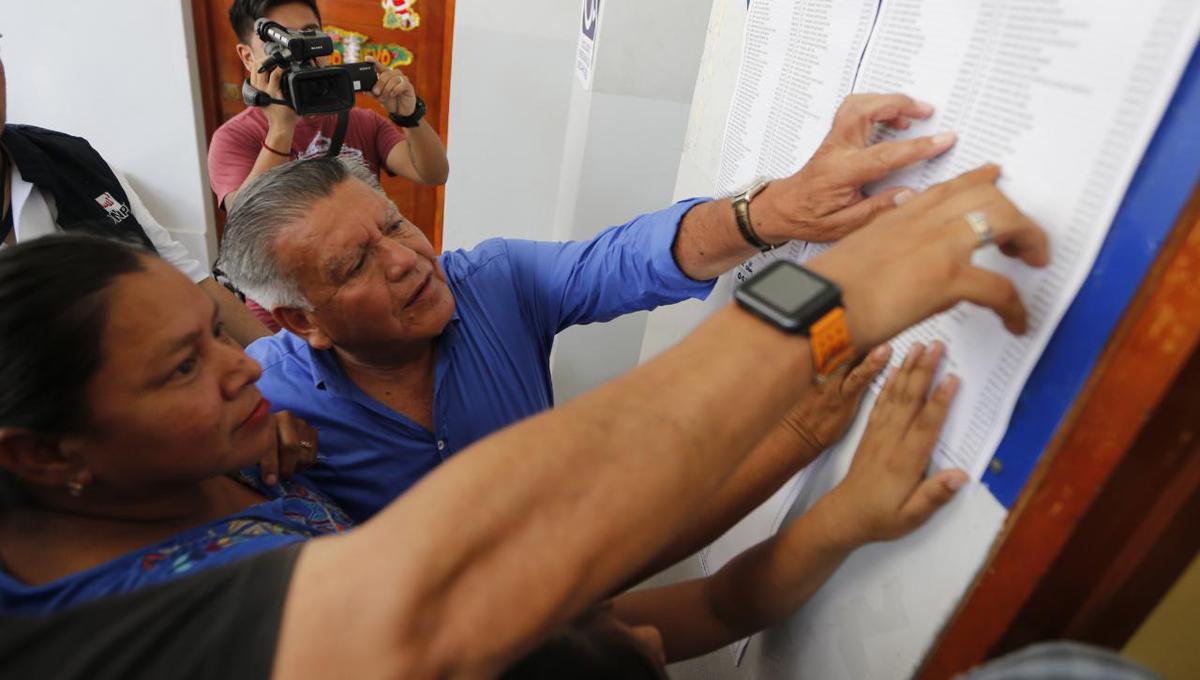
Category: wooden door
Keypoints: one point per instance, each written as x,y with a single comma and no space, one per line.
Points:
428,46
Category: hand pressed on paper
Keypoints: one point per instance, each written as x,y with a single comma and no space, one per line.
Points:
886,494
824,201
915,261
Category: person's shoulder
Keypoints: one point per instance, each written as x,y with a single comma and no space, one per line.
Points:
370,124
275,351
19,127
34,130
252,114
250,120
490,255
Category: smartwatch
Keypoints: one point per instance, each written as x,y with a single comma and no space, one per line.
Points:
413,119
795,300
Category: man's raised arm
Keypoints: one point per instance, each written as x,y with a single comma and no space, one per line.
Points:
531,526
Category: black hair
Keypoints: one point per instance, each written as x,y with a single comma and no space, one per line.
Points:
583,651
53,311
243,14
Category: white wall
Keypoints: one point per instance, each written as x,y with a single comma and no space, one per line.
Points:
509,93
628,132
701,158
534,155
120,73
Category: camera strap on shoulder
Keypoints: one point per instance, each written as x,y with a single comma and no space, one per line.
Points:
339,134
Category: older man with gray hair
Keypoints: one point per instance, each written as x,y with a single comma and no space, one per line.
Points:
402,358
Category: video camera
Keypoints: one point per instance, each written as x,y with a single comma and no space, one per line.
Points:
308,89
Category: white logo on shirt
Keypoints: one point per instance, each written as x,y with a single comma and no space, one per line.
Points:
117,211
319,146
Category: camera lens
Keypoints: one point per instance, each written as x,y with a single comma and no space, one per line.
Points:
326,90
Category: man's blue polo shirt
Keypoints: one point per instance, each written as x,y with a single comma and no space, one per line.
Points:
493,359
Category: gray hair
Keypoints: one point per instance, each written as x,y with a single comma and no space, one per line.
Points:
279,197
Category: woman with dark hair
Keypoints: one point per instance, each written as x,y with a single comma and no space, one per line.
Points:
127,413
89,396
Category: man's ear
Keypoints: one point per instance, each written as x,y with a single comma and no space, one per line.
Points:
36,458
246,55
301,322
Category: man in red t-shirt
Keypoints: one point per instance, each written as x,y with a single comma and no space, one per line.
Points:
259,139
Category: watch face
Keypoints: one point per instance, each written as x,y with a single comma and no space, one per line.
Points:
789,296
787,289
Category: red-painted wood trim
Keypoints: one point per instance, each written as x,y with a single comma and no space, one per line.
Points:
210,103
444,117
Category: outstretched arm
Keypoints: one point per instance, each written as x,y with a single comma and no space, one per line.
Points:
814,424
883,497
664,257
539,521
576,496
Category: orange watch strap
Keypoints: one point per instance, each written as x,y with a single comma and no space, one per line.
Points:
829,337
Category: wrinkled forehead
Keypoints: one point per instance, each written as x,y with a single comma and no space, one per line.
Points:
343,222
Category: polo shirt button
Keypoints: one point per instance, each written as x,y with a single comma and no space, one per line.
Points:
441,444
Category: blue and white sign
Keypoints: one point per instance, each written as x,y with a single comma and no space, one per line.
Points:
585,56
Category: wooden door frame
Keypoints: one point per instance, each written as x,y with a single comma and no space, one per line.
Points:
206,65
1102,529
444,118
210,104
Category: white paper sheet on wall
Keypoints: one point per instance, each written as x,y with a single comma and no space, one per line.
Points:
799,60
1063,94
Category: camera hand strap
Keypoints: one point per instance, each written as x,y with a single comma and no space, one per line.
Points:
339,134
253,96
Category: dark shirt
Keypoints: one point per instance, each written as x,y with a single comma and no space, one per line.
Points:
219,623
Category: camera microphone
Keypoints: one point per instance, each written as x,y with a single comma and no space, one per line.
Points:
271,31
302,45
